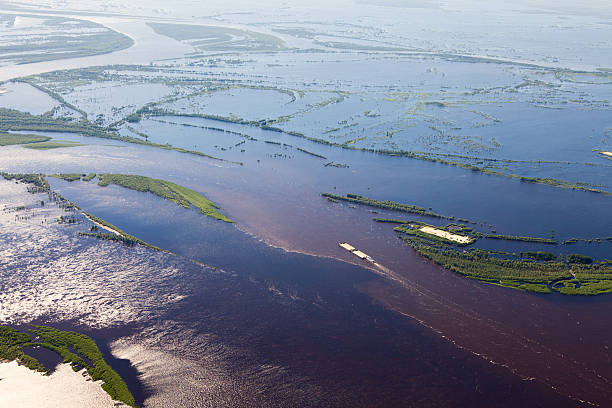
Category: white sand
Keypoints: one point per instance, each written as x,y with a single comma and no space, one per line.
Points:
104,227
21,387
444,234
607,154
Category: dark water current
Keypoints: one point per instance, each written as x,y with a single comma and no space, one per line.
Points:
408,333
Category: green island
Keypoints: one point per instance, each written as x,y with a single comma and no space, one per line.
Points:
167,190
532,271
51,145
7,139
78,350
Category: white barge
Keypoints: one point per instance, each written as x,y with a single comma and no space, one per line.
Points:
356,252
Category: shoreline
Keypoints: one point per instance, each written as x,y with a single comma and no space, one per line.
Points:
20,386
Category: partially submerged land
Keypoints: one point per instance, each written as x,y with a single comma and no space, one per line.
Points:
167,190
494,166
77,349
534,271
14,120
161,188
113,233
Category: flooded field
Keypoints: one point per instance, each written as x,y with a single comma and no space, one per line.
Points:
476,128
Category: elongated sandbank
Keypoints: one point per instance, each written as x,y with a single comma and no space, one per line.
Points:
446,235
22,387
104,227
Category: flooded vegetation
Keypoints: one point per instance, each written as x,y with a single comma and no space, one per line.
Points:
86,355
356,203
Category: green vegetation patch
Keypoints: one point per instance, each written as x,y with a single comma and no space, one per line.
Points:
388,205
167,190
525,239
62,342
74,176
77,349
7,139
582,287
11,343
578,259
37,180
51,145
477,264
591,279
538,273
539,255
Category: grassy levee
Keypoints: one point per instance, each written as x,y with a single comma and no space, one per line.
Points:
387,205
61,341
11,343
167,190
525,239
51,145
122,237
7,139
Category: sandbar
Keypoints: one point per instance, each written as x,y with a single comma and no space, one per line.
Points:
445,234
